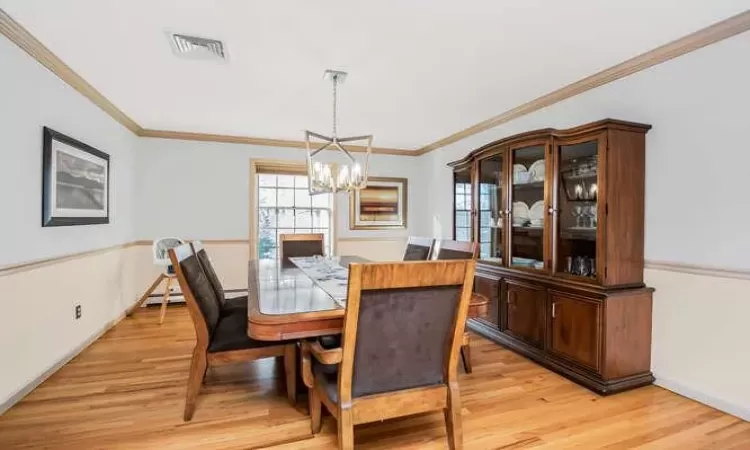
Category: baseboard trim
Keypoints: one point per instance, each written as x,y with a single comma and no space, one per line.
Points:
26,390
734,409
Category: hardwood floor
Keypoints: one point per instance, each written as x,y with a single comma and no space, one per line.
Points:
127,391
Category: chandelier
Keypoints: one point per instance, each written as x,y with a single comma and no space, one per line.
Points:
335,177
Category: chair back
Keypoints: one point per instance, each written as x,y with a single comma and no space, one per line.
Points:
198,292
403,325
161,246
297,245
208,269
445,249
418,248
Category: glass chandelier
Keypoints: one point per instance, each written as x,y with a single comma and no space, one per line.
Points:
334,177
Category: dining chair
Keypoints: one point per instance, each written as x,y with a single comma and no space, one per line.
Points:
445,250
418,248
296,245
159,250
401,338
227,305
220,338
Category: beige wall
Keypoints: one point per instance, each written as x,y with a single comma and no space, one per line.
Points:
38,329
700,337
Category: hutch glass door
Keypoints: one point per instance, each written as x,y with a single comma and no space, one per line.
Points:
462,220
528,209
491,209
577,208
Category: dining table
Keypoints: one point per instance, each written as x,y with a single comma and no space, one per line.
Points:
286,303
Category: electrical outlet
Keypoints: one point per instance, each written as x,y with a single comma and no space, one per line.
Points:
78,312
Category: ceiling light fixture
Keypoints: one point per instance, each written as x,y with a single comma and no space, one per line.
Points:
333,177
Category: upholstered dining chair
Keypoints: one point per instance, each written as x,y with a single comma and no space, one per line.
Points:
418,248
220,338
400,343
446,250
296,245
227,305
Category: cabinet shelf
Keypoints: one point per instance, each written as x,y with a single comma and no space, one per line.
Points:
528,230
584,176
533,185
586,234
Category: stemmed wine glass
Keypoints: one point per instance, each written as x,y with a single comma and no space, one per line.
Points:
578,214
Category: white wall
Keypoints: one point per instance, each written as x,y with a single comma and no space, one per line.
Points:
201,189
32,97
697,206
37,327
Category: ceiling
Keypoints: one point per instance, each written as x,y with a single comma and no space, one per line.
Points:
418,70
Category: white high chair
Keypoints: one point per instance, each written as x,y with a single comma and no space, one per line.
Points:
161,258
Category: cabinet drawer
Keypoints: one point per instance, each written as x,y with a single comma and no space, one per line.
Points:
576,328
524,312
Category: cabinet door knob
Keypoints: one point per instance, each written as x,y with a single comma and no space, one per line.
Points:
552,211
554,309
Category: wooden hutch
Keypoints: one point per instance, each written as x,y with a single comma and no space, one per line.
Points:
559,216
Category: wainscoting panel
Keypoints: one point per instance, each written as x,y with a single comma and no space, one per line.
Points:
38,328
700,337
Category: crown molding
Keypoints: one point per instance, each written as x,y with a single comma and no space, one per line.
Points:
701,38
31,45
206,137
20,36
707,36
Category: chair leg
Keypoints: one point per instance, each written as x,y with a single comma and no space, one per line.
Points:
466,353
316,407
198,367
453,419
143,299
290,371
165,301
346,429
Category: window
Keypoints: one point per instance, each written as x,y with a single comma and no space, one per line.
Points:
286,207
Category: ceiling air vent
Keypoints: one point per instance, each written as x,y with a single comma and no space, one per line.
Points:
193,47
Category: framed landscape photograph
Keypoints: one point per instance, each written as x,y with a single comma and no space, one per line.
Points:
75,182
380,206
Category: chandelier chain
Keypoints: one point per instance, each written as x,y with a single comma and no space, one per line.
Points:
335,92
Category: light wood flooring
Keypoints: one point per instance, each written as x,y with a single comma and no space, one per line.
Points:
127,391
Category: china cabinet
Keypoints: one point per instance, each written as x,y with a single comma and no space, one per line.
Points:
559,216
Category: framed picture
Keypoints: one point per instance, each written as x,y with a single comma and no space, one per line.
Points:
75,182
380,206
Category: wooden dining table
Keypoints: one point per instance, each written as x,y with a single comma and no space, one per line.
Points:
284,303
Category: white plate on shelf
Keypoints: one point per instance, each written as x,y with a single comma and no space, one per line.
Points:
536,212
520,174
536,171
520,212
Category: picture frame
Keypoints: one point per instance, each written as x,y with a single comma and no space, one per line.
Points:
382,205
75,182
